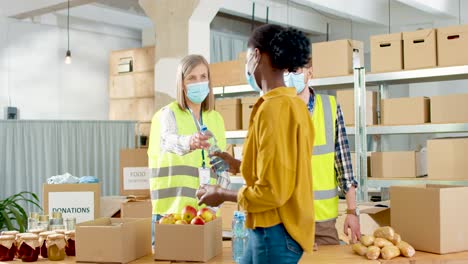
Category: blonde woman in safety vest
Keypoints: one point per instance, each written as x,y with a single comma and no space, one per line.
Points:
176,148
331,161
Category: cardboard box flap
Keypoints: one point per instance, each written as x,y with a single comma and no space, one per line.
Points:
419,35
228,101
110,205
387,38
453,30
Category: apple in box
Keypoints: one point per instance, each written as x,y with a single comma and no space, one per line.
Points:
189,215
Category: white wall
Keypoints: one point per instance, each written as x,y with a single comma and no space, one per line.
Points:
36,79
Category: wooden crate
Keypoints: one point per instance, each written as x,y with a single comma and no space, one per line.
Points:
143,59
130,85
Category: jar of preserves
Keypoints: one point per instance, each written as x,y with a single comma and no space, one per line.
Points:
29,248
7,247
18,241
70,247
56,247
42,242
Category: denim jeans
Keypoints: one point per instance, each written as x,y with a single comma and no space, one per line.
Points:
155,219
271,245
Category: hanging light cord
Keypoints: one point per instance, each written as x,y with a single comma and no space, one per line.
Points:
68,25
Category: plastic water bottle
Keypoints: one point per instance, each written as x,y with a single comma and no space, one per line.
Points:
239,236
216,162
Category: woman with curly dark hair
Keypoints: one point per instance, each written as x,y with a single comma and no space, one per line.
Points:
277,151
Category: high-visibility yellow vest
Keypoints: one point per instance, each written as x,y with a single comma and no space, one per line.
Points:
323,159
174,180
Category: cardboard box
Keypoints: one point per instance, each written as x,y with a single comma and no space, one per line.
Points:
138,84
446,158
81,201
405,111
231,110
431,218
134,173
387,52
140,109
411,164
420,49
451,45
227,214
113,240
247,106
335,58
372,217
353,162
227,73
449,109
346,100
136,209
142,59
205,241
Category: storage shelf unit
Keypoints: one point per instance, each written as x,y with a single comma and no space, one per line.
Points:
385,183
390,78
413,129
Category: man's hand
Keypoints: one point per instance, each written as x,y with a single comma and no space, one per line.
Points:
352,222
199,141
211,195
234,165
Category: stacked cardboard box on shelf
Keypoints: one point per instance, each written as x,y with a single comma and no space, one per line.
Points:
451,45
405,111
386,53
346,100
335,58
420,49
411,164
446,158
247,106
228,73
131,88
449,109
231,110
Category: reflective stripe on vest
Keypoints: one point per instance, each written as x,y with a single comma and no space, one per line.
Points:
174,178
323,159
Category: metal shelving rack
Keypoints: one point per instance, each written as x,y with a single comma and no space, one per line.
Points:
383,80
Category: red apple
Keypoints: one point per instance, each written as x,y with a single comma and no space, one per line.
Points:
168,219
197,221
188,213
181,222
207,214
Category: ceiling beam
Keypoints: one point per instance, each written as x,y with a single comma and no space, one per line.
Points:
441,8
21,9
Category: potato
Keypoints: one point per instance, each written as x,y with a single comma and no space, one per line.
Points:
390,252
396,239
367,240
360,249
384,232
406,249
373,252
382,242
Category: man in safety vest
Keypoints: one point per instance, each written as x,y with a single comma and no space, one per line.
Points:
331,161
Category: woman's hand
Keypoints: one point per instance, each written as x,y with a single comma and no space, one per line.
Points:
199,141
234,165
211,195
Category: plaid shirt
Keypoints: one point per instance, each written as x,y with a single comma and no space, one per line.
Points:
343,165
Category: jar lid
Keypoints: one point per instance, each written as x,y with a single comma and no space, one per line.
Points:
29,237
13,233
43,218
7,237
56,236
46,233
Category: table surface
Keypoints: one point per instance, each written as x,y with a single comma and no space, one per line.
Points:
325,255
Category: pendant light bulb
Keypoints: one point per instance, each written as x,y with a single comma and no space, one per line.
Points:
68,58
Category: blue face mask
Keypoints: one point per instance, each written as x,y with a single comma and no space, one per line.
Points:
249,76
295,80
197,92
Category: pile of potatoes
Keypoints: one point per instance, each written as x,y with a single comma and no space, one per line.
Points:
386,243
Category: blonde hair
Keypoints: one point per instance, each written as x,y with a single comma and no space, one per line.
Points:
186,65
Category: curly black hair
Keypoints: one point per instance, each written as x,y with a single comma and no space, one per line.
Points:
289,48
